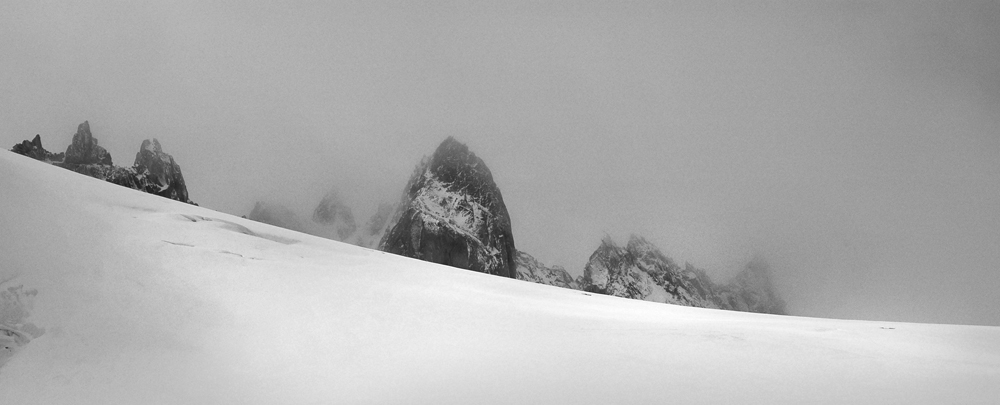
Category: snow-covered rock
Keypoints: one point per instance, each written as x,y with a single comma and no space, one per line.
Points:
640,271
530,269
160,169
453,213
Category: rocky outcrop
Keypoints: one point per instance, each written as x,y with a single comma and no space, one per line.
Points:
640,271
453,213
160,170
34,150
84,150
336,217
154,171
752,291
529,269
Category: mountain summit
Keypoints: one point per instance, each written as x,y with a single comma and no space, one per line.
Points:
641,271
453,213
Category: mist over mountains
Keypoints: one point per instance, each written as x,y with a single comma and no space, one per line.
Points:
451,212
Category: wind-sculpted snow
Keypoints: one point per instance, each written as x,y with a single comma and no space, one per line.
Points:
15,309
145,300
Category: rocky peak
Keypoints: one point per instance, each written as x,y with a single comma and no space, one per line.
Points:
34,150
453,213
84,148
161,170
154,172
641,271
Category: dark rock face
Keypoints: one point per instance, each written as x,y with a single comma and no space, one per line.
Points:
751,290
640,271
334,214
529,269
85,150
453,213
34,150
160,170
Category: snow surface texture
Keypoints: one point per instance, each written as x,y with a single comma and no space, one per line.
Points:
121,297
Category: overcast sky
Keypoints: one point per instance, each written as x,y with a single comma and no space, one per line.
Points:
855,145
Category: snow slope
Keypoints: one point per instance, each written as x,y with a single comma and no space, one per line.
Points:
147,300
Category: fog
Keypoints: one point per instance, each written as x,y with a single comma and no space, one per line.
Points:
856,146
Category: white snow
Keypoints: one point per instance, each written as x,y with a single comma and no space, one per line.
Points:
145,300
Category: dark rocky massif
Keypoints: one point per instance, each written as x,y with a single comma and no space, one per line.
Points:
641,271
154,171
160,169
84,150
34,150
453,213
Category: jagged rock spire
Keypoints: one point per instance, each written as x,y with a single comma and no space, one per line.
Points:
452,212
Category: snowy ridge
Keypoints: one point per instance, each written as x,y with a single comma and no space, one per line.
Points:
136,299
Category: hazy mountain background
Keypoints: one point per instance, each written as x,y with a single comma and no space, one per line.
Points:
855,146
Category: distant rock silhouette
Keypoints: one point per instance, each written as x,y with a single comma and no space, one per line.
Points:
752,291
161,170
34,149
84,150
641,271
452,213
335,216
277,215
154,171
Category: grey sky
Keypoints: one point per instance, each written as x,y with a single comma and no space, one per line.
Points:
856,145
